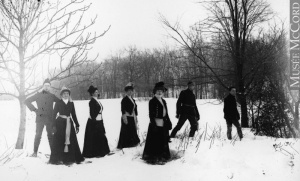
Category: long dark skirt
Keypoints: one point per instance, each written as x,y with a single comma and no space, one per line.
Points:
128,134
95,141
58,145
157,144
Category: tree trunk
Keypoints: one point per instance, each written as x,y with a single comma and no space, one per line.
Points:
201,89
281,136
173,90
244,120
242,96
252,116
196,91
22,97
22,126
243,102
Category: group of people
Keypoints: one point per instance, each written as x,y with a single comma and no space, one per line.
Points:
60,121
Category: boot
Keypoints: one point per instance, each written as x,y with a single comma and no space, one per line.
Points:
34,154
240,133
229,132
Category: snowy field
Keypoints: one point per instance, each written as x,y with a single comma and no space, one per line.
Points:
208,157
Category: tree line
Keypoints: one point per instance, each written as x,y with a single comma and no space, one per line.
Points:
144,68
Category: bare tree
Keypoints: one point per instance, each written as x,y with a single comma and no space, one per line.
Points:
130,65
235,21
32,31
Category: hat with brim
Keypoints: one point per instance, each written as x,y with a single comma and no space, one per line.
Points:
128,87
65,89
92,89
190,83
159,86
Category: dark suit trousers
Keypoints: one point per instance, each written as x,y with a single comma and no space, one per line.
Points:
38,133
236,123
180,123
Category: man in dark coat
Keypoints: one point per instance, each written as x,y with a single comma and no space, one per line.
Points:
231,113
186,108
44,113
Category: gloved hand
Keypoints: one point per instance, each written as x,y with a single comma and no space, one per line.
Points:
197,125
36,112
124,118
137,124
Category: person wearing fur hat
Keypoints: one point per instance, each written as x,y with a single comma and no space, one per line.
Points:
186,108
44,112
95,141
157,145
129,125
65,148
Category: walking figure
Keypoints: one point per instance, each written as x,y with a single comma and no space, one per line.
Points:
186,108
65,148
95,141
231,113
157,146
129,123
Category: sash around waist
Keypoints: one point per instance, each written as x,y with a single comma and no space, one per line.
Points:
130,115
68,132
159,122
64,116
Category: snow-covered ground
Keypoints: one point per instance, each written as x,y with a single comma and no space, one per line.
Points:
209,156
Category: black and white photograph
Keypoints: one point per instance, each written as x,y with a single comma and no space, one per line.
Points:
149,90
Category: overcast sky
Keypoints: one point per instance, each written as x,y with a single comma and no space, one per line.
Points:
136,22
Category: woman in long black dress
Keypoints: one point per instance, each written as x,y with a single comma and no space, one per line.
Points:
95,141
65,148
157,141
128,133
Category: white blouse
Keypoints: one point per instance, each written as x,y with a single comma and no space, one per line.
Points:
159,121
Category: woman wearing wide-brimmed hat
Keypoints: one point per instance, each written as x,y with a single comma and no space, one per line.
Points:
95,141
157,141
65,148
129,125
